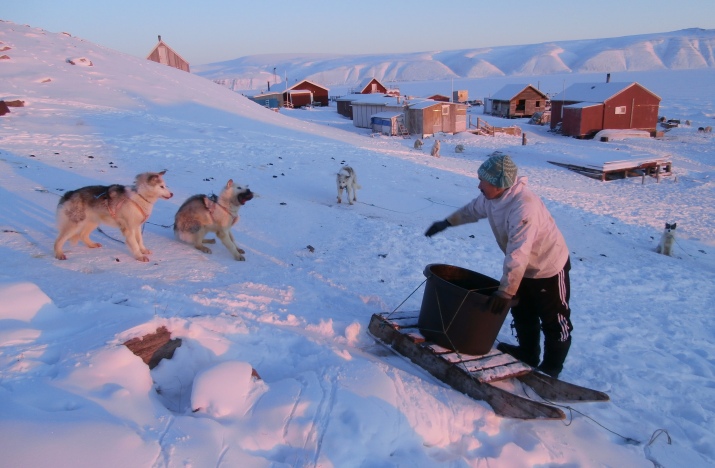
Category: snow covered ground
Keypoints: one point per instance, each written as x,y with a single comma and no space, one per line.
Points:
71,394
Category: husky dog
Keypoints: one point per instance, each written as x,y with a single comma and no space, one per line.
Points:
347,180
81,211
201,214
418,144
435,149
459,149
667,240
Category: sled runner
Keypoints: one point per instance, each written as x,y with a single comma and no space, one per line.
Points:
475,375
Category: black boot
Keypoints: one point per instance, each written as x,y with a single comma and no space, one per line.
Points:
554,357
529,349
518,352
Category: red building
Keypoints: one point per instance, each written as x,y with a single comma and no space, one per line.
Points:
584,109
370,86
305,93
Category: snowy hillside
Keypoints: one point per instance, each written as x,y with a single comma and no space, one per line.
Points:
296,311
679,50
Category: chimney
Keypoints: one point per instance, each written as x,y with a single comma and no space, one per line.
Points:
160,38
608,77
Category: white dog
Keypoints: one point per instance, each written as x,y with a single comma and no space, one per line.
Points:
667,240
201,214
81,211
435,149
347,180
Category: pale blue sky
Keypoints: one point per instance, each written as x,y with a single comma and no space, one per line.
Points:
216,30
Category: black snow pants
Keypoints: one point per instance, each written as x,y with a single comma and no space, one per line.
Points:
544,305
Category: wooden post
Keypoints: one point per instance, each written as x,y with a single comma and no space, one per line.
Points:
523,139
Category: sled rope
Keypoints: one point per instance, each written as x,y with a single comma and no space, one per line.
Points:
160,225
571,409
388,209
415,290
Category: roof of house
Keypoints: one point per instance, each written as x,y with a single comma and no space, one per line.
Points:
425,104
594,92
363,84
308,81
375,99
160,43
387,115
510,91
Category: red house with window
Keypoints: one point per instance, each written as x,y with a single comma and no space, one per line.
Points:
584,109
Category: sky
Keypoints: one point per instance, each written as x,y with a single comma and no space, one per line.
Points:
315,271
219,30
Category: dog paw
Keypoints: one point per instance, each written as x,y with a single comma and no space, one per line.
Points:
146,251
240,258
204,249
241,251
61,256
143,258
93,245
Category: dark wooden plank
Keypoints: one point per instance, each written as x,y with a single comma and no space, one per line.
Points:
550,388
502,402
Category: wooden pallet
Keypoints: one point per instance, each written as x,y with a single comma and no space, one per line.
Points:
474,375
614,170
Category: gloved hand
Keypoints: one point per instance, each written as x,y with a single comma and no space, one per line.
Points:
436,227
498,302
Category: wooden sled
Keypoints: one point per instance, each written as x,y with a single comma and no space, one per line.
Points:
474,375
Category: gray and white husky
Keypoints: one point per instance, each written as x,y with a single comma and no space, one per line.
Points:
201,214
667,240
81,211
347,180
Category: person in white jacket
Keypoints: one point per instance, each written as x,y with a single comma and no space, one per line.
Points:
536,263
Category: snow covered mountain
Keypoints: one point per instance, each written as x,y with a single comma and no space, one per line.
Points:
678,50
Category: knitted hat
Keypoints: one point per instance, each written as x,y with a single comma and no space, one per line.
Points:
499,170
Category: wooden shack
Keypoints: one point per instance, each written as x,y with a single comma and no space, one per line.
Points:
427,118
516,101
306,93
165,55
584,109
461,96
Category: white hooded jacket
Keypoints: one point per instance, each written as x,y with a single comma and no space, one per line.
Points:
525,231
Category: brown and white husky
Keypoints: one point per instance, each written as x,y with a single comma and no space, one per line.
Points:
201,214
81,211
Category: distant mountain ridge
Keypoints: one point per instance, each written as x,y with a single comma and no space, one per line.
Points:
677,50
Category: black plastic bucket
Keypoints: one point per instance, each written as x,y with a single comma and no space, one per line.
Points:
454,310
